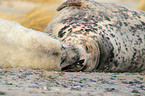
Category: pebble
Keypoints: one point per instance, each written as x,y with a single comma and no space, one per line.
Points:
78,81
109,89
142,87
27,73
56,89
78,88
107,82
6,71
113,78
135,82
137,95
92,80
135,91
65,86
45,88
2,93
43,92
33,86
84,79
22,76
140,78
21,70
9,83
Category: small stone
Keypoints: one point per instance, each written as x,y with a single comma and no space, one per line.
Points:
84,79
78,81
135,91
28,73
128,74
112,78
137,94
43,92
65,86
22,76
140,78
61,74
9,83
56,89
12,74
142,87
21,70
78,88
107,82
6,71
125,82
88,85
33,86
101,79
36,72
18,86
92,80
89,94
2,93
45,88
135,82
109,89
57,83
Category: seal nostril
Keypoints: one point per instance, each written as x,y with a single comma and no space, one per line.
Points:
81,62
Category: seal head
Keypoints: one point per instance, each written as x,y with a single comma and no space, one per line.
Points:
84,54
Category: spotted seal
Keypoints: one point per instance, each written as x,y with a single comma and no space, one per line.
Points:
107,36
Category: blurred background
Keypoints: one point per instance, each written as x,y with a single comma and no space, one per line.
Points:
36,14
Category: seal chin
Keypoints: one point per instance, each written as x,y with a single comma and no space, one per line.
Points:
84,55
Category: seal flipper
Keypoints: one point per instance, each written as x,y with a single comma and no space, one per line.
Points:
76,3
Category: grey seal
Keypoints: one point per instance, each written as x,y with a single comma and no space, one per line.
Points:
107,37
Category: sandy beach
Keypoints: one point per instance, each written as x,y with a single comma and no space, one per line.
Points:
30,82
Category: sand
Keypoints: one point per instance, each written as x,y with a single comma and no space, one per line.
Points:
29,82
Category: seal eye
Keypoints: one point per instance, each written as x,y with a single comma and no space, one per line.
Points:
87,49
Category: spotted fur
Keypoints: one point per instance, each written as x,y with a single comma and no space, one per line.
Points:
118,31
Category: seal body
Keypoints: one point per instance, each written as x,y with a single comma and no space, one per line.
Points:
112,36
23,47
